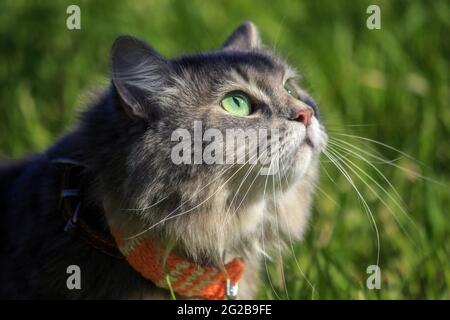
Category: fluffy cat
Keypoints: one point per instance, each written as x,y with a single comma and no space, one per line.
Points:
123,144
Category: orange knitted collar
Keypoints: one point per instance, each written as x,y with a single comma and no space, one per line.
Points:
186,278
167,271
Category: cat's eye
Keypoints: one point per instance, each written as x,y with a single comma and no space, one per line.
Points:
290,89
237,104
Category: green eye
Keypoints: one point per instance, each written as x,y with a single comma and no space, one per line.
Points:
290,89
237,104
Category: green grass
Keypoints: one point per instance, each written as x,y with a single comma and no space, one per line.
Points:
391,85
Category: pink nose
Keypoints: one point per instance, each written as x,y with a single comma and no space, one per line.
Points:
304,116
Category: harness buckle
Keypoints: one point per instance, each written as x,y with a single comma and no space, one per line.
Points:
232,290
72,222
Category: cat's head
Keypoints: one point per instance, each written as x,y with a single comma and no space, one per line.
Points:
241,86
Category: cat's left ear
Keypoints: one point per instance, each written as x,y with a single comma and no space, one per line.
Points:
245,37
138,72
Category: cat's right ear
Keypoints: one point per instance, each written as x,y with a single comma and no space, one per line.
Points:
138,71
245,37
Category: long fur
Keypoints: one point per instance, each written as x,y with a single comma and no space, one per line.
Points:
124,139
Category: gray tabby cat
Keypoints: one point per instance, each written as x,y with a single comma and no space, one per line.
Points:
206,213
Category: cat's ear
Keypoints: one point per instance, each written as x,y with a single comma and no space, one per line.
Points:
245,37
138,71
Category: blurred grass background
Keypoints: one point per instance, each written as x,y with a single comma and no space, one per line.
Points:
391,85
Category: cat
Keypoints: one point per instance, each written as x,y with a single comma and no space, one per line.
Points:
118,158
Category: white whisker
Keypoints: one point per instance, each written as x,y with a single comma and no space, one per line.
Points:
331,156
349,164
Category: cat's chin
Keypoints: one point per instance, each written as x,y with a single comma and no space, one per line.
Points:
302,159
